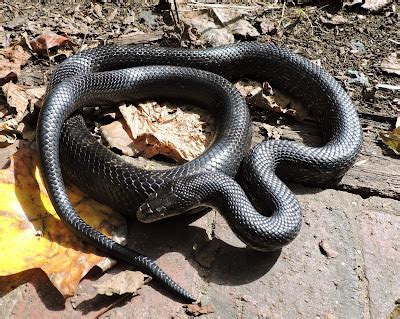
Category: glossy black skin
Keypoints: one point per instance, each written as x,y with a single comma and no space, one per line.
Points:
86,79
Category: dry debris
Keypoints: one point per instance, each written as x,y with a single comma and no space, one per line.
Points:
327,249
124,282
12,59
392,139
391,64
198,310
47,41
181,133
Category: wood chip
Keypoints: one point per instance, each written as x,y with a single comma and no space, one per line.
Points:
327,249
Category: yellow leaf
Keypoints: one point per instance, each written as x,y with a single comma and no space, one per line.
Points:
33,236
392,139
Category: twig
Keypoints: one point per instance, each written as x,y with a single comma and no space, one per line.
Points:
123,298
394,41
221,6
176,12
388,87
283,14
309,20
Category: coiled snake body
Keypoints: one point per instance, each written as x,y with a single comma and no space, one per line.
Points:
113,74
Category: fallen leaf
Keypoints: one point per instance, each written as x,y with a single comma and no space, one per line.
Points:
18,21
227,15
391,64
268,27
273,132
11,60
122,283
327,249
116,134
209,31
43,43
198,310
217,37
23,98
244,28
33,236
357,77
392,139
263,96
334,20
179,133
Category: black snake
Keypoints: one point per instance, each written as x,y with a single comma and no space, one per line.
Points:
114,74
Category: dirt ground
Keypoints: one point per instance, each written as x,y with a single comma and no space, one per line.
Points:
358,220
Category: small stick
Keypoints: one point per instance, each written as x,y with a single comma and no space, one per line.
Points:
283,14
176,12
123,298
222,6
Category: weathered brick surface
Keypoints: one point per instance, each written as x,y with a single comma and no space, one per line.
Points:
298,282
379,227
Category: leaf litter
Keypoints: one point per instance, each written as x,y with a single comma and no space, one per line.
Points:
124,282
39,238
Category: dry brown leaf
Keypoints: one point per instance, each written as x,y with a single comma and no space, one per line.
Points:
176,132
244,28
268,27
122,283
391,64
227,15
33,236
327,249
23,98
11,60
273,132
264,96
198,310
117,135
43,43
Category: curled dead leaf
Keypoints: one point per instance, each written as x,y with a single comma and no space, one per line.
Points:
43,43
263,96
117,136
33,236
11,60
23,98
198,310
181,133
122,283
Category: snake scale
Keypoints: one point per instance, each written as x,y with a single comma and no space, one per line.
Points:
260,208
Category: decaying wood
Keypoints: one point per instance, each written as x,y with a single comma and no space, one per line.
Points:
376,171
